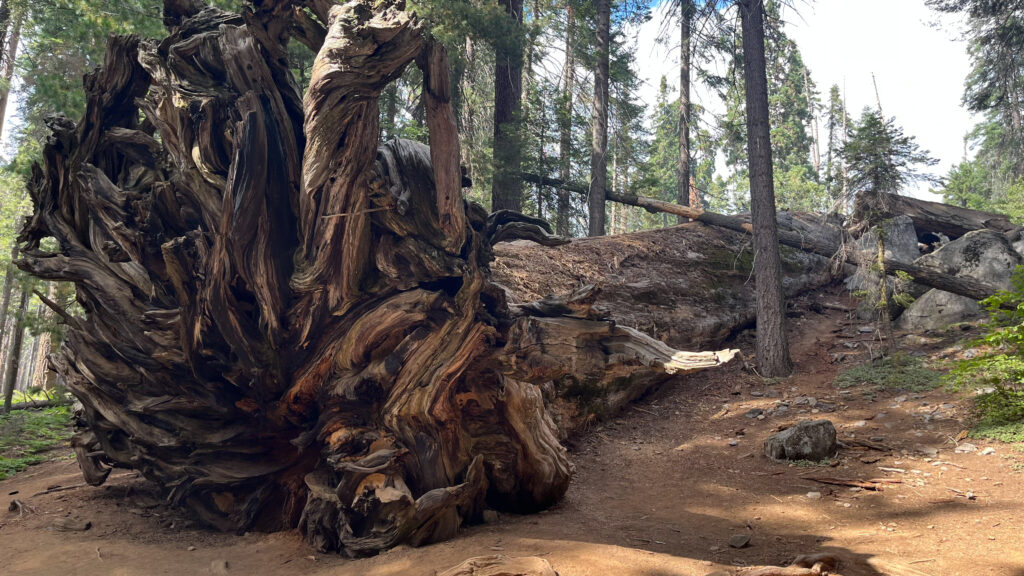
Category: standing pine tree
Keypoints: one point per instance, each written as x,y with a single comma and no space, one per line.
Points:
881,160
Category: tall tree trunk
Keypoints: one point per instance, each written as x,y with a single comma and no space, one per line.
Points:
772,344
565,124
7,68
506,189
14,354
296,326
5,306
687,9
599,150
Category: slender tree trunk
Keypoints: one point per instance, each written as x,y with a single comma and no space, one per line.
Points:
11,374
506,193
565,125
598,154
5,305
685,25
7,69
772,344
816,150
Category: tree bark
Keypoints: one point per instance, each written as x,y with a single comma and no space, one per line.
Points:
686,11
935,217
599,149
14,354
298,328
506,190
772,344
565,124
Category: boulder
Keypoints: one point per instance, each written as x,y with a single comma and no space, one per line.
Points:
808,440
900,245
983,255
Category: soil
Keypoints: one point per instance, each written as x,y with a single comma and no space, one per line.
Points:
658,491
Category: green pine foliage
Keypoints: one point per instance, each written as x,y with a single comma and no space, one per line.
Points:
998,371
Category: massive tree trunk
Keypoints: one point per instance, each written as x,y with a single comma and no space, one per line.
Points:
823,240
287,325
599,146
772,345
506,189
686,10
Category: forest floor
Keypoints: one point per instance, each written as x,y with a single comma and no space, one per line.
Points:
658,491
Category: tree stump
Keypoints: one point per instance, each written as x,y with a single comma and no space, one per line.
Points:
285,323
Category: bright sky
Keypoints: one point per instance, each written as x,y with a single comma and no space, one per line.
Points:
920,68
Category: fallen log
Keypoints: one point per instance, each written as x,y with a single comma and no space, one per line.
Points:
935,217
32,404
287,324
817,244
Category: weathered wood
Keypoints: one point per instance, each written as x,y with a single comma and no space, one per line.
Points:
287,325
35,404
817,244
938,218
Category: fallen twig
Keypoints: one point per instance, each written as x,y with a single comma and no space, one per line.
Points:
59,489
873,484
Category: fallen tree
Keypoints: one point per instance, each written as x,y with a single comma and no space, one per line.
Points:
285,324
823,244
937,218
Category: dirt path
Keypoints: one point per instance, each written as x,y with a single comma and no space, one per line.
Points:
658,492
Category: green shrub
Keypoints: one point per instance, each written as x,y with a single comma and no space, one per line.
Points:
26,434
999,412
897,371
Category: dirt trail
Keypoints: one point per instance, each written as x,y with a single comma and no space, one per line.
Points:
658,492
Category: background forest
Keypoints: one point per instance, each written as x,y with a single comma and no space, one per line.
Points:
523,73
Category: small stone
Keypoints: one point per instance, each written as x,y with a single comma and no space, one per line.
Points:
733,443
739,540
191,548
490,516
859,424
71,525
877,438
814,495
865,329
754,413
988,450
900,399
760,416
927,451
965,448
756,393
846,504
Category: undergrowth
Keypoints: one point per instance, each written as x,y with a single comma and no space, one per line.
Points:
998,372
26,435
896,371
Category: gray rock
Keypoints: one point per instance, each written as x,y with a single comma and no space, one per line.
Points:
808,440
988,450
739,540
754,412
900,245
814,495
965,448
983,255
